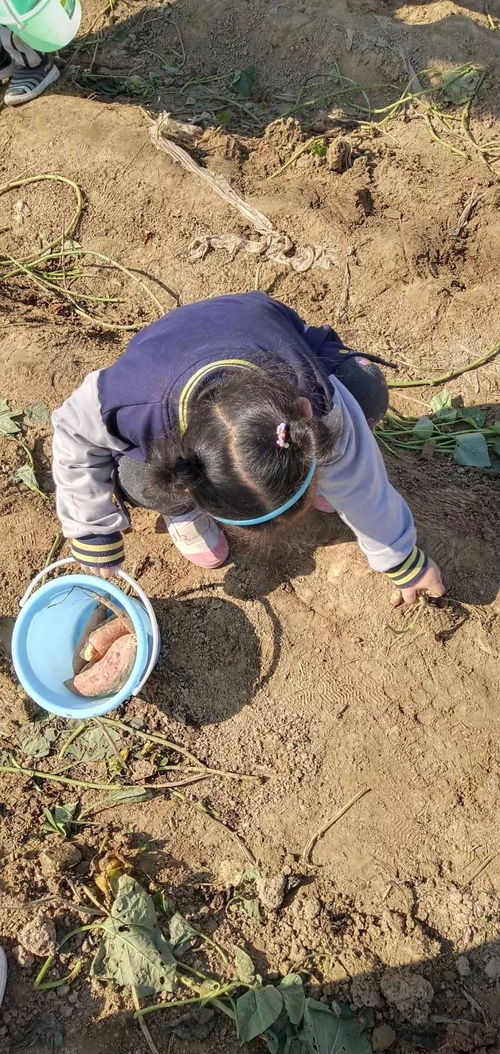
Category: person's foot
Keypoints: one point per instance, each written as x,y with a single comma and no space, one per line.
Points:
3,974
198,538
26,84
6,64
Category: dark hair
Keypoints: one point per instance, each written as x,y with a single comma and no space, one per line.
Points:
228,461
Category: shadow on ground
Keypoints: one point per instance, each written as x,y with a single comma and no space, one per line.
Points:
182,58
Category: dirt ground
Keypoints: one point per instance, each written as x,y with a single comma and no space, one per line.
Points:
285,667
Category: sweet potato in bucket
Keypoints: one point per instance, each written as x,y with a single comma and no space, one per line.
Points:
101,639
97,616
109,674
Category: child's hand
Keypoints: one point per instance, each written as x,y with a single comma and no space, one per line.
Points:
100,572
431,582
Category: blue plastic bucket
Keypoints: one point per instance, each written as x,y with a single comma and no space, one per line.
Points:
49,626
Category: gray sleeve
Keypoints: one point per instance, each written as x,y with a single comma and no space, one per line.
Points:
84,465
355,483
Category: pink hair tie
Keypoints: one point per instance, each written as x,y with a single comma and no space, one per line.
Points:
283,434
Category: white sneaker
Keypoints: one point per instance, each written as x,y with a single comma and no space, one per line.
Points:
3,974
26,83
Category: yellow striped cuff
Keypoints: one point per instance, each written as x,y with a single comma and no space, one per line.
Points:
98,554
410,569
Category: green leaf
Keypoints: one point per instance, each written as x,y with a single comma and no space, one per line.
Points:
130,795
37,412
162,903
182,935
223,118
137,84
173,71
461,83
472,450
473,415
293,997
245,969
446,416
319,149
423,428
94,745
442,401
243,81
496,447
250,875
58,820
251,907
257,1010
324,1033
8,426
282,1037
36,744
133,951
26,475
334,75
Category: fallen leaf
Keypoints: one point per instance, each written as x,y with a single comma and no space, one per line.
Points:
472,450
37,412
133,951
182,935
26,475
441,401
36,744
423,428
257,1010
243,81
8,426
245,969
94,745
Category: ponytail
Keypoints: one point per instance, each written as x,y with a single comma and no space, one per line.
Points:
232,460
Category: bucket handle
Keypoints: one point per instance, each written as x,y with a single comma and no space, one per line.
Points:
137,589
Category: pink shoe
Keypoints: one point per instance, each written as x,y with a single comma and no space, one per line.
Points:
198,538
3,974
322,504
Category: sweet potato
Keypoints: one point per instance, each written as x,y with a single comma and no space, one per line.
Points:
109,674
97,616
101,639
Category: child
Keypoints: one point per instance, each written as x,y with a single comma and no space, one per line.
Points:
29,71
231,411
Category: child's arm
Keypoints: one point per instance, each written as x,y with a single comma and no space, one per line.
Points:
355,483
83,470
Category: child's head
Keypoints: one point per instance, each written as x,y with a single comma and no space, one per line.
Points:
231,461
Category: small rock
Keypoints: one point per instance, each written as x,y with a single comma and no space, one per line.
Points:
63,991
230,873
463,966
143,770
59,858
410,992
73,997
492,968
22,957
339,155
271,890
383,1037
67,1011
38,937
311,908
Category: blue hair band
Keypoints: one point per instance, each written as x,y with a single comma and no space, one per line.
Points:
277,512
